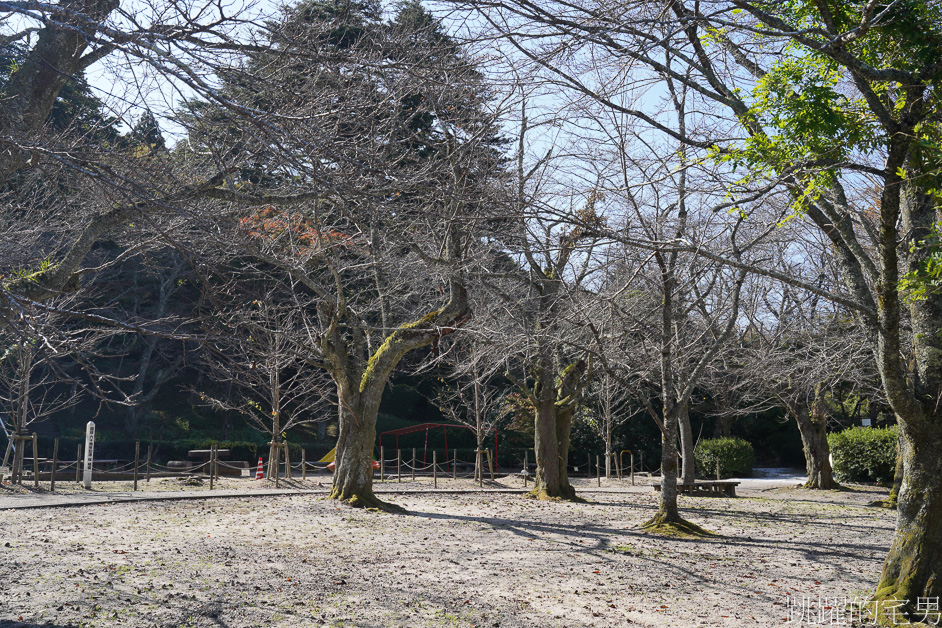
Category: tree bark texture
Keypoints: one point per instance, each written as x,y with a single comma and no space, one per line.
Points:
667,511
360,388
913,567
353,462
556,405
812,424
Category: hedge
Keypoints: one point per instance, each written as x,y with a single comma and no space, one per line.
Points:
733,455
864,454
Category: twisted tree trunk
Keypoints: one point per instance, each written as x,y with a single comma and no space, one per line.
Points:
812,424
353,463
360,388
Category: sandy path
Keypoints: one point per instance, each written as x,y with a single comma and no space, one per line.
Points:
455,560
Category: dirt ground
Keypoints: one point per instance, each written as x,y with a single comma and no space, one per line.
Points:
455,559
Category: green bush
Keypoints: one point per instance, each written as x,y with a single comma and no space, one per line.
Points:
734,456
864,454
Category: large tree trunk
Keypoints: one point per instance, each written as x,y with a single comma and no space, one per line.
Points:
913,568
353,464
912,571
555,407
723,427
360,388
812,424
551,479
688,470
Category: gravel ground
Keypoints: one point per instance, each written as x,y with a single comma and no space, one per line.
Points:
486,559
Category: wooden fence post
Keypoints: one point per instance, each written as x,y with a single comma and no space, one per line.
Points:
598,471
55,463
454,463
382,465
479,466
289,474
303,465
413,464
147,471
137,461
35,461
78,466
526,466
399,464
434,469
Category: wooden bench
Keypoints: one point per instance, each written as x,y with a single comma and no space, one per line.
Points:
719,487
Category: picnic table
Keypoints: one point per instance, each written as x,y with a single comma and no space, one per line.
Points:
203,455
719,487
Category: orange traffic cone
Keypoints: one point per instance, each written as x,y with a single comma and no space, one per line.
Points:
259,473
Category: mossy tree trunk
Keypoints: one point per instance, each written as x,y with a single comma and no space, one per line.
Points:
913,567
555,400
893,498
360,384
353,462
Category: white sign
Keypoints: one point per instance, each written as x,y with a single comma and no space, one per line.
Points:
865,422
89,453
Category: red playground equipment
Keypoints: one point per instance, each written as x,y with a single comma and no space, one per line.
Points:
429,426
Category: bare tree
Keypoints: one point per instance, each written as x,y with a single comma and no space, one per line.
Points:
539,292
46,369
473,398
797,354
833,166
260,369
374,196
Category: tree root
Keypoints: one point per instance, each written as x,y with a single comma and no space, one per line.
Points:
566,495
661,524
892,603
814,487
366,500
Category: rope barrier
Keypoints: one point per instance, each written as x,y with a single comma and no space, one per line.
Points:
453,466
222,463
